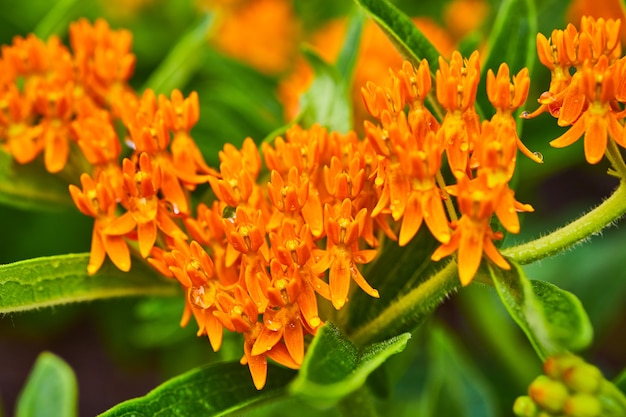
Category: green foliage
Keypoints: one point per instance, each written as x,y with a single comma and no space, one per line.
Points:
30,187
334,367
553,319
223,389
56,280
50,391
406,37
182,61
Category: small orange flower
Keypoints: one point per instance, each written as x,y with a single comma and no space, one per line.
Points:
146,213
473,234
193,268
103,59
97,200
456,86
598,120
342,253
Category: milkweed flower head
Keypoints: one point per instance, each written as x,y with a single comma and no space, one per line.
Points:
586,88
292,221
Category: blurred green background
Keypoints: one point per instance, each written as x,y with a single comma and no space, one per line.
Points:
122,348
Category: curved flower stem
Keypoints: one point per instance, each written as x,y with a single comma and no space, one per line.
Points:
580,229
416,303
446,197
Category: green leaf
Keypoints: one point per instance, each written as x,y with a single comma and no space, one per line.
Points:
30,187
223,389
511,40
334,367
183,60
454,387
58,18
620,381
553,319
350,50
50,390
327,101
402,32
55,280
394,271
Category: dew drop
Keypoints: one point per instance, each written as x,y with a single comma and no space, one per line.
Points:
524,114
539,155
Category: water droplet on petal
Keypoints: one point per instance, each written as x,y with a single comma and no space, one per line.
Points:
524,114
539,155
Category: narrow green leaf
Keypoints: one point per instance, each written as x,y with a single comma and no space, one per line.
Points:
511,40
350,50
334,367
402,32
57,20
553,319
182,61
454,386
54,280
30,187
327,101
223,389
51,389
620,381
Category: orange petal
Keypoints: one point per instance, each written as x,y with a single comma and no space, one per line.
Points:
294,340
97,255
258,370
435,217
572,135
339,280
470,252
214,330
118,252
595,139
266,341
411,221
146,235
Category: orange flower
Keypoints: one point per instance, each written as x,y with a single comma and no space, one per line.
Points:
17,134
239,170
103,59
342,252
456,85
599,120
97,200
239,314
193,268
146,213
472,234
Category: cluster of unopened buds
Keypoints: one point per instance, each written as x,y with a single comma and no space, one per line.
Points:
275,237
569,387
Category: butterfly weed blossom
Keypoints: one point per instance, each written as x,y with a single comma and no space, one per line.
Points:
294,219
587,82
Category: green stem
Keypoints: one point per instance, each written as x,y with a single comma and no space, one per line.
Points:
615,157
418,302
577,231
615,396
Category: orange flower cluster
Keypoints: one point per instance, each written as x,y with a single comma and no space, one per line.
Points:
256,259
410,143
46,91
588,85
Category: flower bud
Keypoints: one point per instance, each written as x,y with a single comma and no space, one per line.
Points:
524,407
555,366
550,395
583,378
582,405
